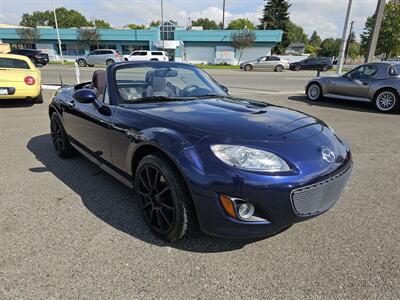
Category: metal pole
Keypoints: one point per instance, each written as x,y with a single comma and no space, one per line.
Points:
162,23
344,38
223,15
348,42
373,39
58,34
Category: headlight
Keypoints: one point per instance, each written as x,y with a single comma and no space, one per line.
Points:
250,159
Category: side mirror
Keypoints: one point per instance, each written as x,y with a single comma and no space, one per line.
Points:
224,88
85,96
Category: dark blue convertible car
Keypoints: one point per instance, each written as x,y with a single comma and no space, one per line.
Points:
198,157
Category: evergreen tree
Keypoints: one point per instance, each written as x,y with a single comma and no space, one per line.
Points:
276,16
315,39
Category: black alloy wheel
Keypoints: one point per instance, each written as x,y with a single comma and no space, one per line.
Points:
59,138
164,201
297,68
325,68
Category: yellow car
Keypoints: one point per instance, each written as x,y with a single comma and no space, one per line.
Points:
19,78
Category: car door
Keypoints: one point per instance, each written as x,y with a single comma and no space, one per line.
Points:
308,64
356,83
92,57
261,64
89,127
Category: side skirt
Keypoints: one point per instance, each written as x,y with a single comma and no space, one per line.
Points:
347,98
104,165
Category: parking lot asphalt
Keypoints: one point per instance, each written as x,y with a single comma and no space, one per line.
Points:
69,230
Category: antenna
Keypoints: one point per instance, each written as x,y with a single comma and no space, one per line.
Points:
61,81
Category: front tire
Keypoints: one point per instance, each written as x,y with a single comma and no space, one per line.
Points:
164,200
297,68
82,62
60,138
386,100
314,91
248,68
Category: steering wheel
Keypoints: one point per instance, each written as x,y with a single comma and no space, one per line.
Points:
187,90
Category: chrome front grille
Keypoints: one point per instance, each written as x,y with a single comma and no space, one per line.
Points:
319,197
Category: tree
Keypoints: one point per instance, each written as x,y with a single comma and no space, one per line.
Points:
206,23
29,36
296,34
101,24
243,39
389,35
88,37
155,23
241,23
310,49
276,16
135,26
354,50
330,47
315,39
67,18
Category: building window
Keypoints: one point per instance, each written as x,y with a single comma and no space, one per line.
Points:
102,46
167,30
128,49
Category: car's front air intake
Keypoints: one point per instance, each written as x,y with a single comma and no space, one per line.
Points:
319,197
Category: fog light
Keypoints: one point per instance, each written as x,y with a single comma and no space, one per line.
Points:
245,210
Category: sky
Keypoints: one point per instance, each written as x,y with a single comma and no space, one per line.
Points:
324,16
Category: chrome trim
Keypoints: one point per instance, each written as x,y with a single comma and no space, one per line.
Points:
310,199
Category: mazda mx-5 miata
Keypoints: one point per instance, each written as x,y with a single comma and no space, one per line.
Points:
198,157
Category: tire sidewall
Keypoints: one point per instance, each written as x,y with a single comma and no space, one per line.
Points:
279,68
325,68
297,68
179,194
67,150
109,62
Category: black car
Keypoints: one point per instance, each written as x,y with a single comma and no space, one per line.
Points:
312,63
36,56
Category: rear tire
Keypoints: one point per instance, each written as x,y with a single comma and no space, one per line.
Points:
279,68
110,62
387,101
314,91
248,68
82,62
60,138
91,66
164,200
325,68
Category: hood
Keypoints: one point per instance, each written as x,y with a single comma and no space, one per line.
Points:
249,61
237,118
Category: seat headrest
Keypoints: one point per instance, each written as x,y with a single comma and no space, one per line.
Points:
99,82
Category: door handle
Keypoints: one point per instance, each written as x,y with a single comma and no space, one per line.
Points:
70,104
365,83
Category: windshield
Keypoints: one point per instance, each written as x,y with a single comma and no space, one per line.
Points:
155,81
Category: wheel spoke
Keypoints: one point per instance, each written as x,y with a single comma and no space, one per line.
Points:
164,190
147,205
156,178
165,218
149,183
144,183
143,194
167,206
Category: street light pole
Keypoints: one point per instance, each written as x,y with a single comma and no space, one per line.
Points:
373,38
58,33
344,38
162,24
223,15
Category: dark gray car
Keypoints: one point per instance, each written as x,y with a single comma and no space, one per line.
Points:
378,83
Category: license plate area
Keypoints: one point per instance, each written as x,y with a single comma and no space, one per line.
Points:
3,91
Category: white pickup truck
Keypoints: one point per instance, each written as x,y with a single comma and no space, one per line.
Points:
145,55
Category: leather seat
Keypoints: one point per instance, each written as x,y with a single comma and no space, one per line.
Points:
157,86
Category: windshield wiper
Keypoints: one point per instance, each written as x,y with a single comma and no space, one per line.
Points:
212,96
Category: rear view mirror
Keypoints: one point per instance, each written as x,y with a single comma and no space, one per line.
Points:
224,88
165,73
85,96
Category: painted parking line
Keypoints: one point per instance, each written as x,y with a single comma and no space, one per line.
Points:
238,92
50,87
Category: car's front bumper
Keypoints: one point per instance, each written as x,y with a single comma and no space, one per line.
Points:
271,195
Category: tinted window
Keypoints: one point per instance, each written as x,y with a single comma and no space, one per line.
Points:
11,63
94,53
156,53
366,72
274,58
142,53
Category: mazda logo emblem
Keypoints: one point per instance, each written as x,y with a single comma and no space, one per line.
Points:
328,155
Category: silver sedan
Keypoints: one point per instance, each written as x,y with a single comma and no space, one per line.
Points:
378,83
264,63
